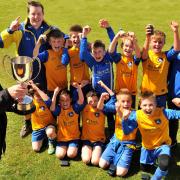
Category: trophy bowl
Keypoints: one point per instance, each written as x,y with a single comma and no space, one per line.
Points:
22,70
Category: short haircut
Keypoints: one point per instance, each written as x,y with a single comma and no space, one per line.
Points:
98,44
146,95
36,4
65,92
76,28
126,37
124,91
55,33
91,94
159,35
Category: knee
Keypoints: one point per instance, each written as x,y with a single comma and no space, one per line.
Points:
60,155
36,148
51,133
95,161
163,162
86,160
121,172
103,164
72,154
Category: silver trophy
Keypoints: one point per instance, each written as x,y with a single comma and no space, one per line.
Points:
22,69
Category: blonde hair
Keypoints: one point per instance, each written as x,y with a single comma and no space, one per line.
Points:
123,91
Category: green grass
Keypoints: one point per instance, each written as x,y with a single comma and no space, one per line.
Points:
20,162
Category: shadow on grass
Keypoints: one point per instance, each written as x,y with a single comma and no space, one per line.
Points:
174,170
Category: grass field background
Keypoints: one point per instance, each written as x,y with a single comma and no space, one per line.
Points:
20,162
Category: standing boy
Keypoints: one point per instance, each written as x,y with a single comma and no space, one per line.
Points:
79,71
127,66
100,62
156,62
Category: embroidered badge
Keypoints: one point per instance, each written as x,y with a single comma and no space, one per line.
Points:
97,114
42,108
160,60
158,121
130,64
71,114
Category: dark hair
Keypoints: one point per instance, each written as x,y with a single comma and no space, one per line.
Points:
56,33
97,44
92,93
36,4
146,95
65,92
76,28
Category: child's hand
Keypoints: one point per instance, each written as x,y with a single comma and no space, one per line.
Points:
132,37
76,85
149,30
57,90
105,96
31,84
86,30
104,23
174,26
126,113
42,39
68,43
15,24
176,101
120,34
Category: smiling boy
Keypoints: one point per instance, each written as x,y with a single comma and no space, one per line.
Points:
153,124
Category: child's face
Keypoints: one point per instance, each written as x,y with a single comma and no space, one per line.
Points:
65,101
98,53
157,44
56,43
93,101
74,37
148,105
124,101
128,48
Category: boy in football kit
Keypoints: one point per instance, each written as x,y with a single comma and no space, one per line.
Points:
152,122
93,130
118,153
127,66
79,71
68,133
43,123
156,62
56,72
100,63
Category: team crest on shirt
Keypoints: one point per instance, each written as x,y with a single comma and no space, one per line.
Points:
158,121
130,64
97,114
42,108
160,60
70,114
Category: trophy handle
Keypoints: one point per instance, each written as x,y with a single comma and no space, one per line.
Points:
39,62
8,59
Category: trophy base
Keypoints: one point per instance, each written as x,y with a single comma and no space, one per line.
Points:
25,112
25,107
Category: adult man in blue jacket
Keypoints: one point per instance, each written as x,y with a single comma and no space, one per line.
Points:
25,35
